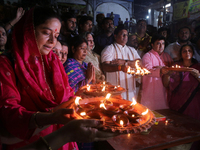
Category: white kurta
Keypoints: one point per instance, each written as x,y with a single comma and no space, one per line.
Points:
117,51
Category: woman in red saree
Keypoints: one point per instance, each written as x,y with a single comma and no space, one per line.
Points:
183,84
184,87
34,80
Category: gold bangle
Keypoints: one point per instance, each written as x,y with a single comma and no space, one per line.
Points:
119,67
46,143
35,121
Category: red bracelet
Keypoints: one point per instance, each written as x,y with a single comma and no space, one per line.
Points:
119,67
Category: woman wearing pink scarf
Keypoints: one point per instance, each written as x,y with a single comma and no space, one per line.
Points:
33,80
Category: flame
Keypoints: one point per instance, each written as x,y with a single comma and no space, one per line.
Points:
138,70
172,66
146,71
102,106
121,123
144,113
166,122
108,96
133,115
88,87
129,135
129,70
134,102
115,87
103,89
137,65
132,72
142,72
83,113
104,82
77,100
118,86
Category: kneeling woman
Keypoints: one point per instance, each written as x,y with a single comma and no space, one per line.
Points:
79,72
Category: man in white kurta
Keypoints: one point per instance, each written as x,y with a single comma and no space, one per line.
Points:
121,55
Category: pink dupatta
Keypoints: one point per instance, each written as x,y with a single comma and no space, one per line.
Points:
41,83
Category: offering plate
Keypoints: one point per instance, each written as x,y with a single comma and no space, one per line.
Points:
112,115
96,90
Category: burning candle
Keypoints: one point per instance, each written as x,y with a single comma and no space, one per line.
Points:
134,102
145,112
129,70
108,96
83,113
102,105
129,135
103,89
77,101
120,120
166,122
88,87
146,71
122,123
106,101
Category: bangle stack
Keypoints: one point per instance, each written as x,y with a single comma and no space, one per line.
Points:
35,121
46,143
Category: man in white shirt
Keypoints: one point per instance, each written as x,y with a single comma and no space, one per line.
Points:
173,49
115,58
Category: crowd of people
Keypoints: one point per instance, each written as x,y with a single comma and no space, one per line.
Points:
50,56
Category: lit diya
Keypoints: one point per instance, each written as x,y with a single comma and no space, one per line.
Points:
179,68
133,118
128,106
138,71
102,89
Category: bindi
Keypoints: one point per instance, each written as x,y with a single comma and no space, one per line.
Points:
55,30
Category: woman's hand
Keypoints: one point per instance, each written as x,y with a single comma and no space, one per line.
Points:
68,104
118,61
164,70
86,131
74,131
63,116
20,13
90,72
195,73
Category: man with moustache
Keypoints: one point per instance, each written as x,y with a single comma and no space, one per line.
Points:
68,29
154,95
115,60
105,38
173,49
143,38
85,24
133,42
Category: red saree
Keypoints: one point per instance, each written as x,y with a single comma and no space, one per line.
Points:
181,87
34,83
